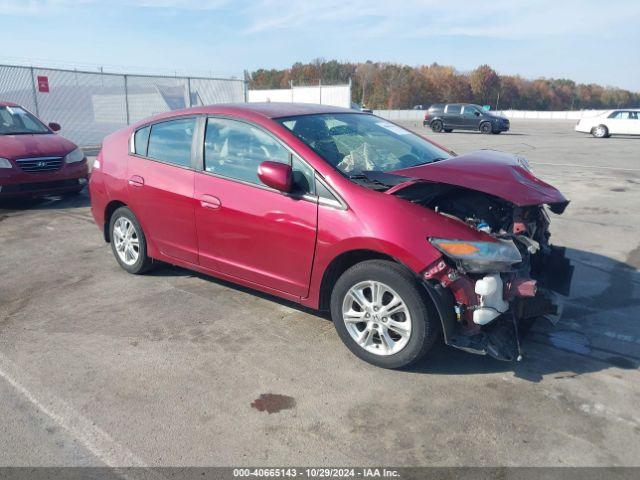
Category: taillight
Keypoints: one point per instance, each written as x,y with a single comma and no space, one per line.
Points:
426,116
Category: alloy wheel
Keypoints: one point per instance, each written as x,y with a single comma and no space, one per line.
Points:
126,241
376,317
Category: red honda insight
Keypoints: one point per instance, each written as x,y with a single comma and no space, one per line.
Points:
401,239
34,160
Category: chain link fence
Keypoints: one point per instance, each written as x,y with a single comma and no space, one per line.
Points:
90,106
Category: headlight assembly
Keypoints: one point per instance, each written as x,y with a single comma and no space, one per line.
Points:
4,163
480,257
75,156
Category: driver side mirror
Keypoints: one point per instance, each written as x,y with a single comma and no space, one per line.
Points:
276,175
476,113
55,126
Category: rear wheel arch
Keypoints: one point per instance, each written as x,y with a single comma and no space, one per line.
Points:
108,212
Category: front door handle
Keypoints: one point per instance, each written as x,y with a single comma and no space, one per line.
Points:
210,202
136,181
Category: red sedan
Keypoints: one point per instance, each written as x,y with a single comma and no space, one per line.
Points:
343,211
34,160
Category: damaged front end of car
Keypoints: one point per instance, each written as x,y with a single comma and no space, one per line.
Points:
489,292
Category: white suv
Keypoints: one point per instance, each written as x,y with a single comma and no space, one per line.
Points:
611,122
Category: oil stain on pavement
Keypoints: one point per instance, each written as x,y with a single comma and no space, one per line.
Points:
273,403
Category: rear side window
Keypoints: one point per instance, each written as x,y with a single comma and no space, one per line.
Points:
141,141
454,109
620,115
171,141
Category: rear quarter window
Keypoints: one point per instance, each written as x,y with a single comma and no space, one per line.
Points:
141,141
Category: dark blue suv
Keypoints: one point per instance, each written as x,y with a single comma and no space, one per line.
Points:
446,117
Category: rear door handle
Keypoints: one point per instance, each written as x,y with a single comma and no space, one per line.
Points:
136,181
210,202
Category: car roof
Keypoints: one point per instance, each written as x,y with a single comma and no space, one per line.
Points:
275,109
271,110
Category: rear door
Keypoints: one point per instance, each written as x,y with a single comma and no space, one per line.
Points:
246,229
161,185
453,116
634,123
618,122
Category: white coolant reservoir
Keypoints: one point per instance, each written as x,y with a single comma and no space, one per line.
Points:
492,304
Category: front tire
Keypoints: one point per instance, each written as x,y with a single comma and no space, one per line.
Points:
486,128
128,242
601,131
382,314
437,126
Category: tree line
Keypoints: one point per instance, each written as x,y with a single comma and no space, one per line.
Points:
384,85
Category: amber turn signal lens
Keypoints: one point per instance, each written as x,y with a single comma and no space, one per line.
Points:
458,248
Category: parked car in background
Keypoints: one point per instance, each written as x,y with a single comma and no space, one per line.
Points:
625,121
343,211
34,160
447,117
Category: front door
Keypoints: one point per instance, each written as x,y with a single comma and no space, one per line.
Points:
470,118
246,229
161,184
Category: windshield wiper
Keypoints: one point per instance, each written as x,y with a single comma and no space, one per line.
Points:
433,160
23,133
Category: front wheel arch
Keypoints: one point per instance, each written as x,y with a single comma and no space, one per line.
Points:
341,264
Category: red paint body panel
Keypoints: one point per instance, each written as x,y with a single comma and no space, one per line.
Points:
256,234
162,195
491,172
261,238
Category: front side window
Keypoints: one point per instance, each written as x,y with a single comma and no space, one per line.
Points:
171,141
354,143
236,149
471,112
17,121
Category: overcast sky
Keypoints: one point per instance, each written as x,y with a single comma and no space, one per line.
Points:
588,41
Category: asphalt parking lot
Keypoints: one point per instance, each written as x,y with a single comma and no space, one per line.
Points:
98,367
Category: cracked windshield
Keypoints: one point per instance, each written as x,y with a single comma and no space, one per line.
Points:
357,143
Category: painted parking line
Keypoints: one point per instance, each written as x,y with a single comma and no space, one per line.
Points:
90,436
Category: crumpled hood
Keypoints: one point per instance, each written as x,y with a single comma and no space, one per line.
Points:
37,145
488,171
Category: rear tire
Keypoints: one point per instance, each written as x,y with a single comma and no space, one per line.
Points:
383,315
486,128
437,126
601,131
128,242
